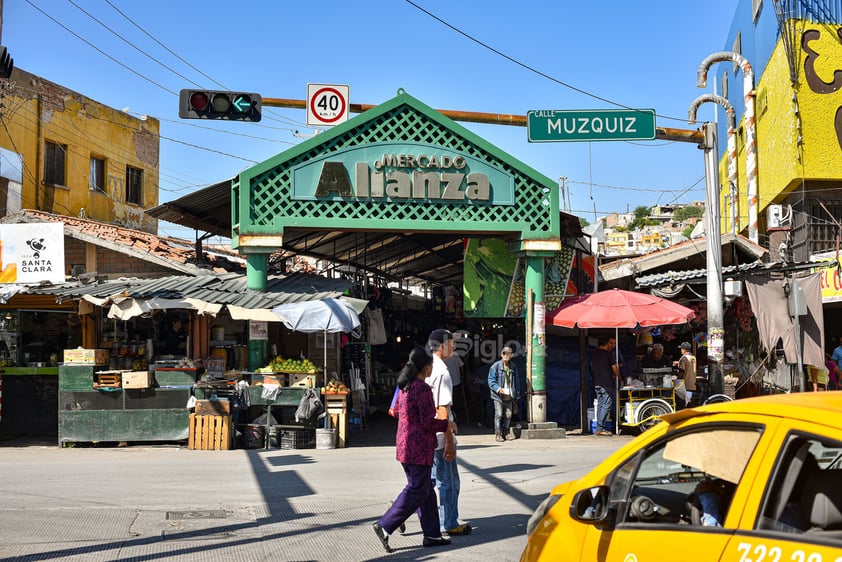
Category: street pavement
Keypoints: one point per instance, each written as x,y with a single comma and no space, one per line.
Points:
165,502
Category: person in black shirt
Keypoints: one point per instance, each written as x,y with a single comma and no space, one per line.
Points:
656,358
175,338
605,374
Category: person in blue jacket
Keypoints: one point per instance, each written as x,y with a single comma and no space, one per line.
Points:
505,387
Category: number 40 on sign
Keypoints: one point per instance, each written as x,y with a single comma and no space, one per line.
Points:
327,104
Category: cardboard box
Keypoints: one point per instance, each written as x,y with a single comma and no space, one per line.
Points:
213,408
297,379
258,379
137,379
87,356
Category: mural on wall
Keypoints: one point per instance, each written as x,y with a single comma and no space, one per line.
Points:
494,279
816,61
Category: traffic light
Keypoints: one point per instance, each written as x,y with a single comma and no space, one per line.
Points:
209,104
7,63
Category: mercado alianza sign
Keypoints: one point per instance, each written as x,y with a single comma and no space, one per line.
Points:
32,253
405,172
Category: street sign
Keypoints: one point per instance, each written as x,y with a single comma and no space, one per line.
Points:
549,125
327,104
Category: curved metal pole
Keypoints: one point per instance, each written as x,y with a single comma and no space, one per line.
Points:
751,143
731,118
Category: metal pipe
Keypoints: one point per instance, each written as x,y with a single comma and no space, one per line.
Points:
751,143
661,133
468,116
731,119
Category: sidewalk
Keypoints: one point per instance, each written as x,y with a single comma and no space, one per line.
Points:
165,502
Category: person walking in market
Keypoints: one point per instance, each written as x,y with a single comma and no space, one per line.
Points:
415,446
504,385
605,373
445,471
687,371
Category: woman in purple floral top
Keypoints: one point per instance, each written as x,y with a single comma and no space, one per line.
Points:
416,444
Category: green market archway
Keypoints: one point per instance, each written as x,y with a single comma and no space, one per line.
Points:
403,167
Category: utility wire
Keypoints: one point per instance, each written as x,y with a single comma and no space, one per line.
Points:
526,66
100,51
269,114
130,44
170,51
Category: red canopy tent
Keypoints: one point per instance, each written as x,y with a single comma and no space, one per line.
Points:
617,309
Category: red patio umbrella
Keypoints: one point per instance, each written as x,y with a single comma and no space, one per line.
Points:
616,309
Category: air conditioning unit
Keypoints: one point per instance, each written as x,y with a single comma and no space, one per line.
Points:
774,216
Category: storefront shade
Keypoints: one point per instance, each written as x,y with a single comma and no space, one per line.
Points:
123,307
326,315
618,309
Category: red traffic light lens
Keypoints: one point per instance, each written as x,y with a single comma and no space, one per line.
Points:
199,101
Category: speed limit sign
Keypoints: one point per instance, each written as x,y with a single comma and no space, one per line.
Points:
327,104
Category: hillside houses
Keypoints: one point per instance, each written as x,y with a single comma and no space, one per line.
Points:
649,229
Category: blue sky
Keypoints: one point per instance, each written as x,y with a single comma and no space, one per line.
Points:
642,54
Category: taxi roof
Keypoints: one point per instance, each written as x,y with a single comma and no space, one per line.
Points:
818,407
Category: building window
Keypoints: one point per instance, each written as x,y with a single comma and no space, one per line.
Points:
97,182
54,163
134,185
725,84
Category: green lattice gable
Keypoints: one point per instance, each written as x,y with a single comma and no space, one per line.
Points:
263,202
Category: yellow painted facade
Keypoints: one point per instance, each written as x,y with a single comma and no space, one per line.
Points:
36,111
796,142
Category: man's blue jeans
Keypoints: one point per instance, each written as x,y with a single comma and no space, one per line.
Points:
604,405
446,479
502,416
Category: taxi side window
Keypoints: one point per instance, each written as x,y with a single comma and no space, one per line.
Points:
685,479
805,495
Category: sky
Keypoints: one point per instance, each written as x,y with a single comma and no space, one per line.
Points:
490,56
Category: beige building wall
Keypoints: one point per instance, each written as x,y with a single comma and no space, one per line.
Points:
45,123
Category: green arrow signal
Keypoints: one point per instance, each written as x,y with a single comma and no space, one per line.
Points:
242,103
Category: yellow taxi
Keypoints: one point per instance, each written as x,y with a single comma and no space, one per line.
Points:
753,480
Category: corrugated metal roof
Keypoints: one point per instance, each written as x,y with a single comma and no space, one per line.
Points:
228,288
435,258
700,275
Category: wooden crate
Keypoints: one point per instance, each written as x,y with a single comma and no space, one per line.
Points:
213,408
107,379
210,432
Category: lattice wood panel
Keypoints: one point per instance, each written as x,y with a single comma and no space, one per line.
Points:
270,196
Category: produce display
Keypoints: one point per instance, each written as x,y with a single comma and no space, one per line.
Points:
281,365
335,386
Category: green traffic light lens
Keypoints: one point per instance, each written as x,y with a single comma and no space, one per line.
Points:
242,103
221,103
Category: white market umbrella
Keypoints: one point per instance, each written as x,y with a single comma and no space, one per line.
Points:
326,315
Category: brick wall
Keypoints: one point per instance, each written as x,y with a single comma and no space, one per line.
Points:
109,262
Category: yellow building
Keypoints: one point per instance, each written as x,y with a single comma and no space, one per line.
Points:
64,153
619,242
795,54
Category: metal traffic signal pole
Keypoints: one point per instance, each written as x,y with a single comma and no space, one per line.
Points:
661,133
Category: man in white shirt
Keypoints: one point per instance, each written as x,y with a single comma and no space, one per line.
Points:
455,367
445,471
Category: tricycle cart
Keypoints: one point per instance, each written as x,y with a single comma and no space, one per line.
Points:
640,407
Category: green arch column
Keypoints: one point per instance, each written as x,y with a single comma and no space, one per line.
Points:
534,285
257,270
